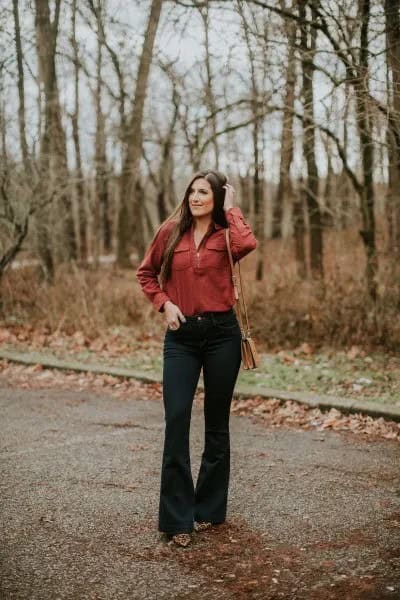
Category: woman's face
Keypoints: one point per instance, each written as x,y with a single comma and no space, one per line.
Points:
201,198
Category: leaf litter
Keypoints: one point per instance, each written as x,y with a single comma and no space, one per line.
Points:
270,412
353,373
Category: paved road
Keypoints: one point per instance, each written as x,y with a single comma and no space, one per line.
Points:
311,514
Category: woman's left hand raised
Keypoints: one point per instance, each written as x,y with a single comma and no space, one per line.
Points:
229,192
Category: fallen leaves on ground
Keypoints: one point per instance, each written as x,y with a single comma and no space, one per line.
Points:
270,412
109,345
352,373
274,413
38,377
245,564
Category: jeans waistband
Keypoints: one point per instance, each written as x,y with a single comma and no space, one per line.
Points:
210,314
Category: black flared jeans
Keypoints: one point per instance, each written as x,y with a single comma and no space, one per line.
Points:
210,341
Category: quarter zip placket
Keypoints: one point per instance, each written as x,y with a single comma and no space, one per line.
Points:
197,250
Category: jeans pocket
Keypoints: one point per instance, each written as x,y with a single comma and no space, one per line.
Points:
183,326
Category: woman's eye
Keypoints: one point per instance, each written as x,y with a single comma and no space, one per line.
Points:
200,192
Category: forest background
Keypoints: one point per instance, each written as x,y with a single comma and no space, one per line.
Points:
108,107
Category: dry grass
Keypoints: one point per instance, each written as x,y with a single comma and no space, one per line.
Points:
284,311
79,300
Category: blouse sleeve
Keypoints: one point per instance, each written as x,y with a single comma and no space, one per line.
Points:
241,236
150,267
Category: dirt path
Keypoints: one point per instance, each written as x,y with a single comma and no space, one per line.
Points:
312,514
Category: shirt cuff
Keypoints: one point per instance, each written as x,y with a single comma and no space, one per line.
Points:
233,210
159,301
235,217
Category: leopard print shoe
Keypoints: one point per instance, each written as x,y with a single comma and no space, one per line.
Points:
202,525
182,539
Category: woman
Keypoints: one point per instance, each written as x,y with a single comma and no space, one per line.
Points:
196,295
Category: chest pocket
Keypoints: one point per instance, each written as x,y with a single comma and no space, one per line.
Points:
181,257
216,253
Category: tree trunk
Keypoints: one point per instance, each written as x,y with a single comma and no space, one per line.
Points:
299,232
21,91
54,147
345,188
210,99
258,173
79,187
284,191
165,196
392,10
100,152
130,169
314,213
367,154
3,135
330,198
259,205
44,45
245,193
165,180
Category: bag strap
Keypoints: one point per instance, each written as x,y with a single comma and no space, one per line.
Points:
239,296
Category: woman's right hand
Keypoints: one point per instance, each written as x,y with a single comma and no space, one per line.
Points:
173,315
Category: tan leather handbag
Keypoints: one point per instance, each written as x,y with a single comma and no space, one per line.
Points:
250,358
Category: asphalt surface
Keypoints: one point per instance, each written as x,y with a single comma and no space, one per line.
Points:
311,514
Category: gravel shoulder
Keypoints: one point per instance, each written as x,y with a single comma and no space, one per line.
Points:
312,514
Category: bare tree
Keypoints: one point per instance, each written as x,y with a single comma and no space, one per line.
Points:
392,16
133,138
13,221
299,229
308,47
53,142
209,87
284,191
21,91
367,151
258,160
79,187
45,44
162,178
339,36
102,200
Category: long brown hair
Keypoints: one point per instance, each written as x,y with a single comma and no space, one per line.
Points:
183,217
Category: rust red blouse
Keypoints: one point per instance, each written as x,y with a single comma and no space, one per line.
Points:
200,278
